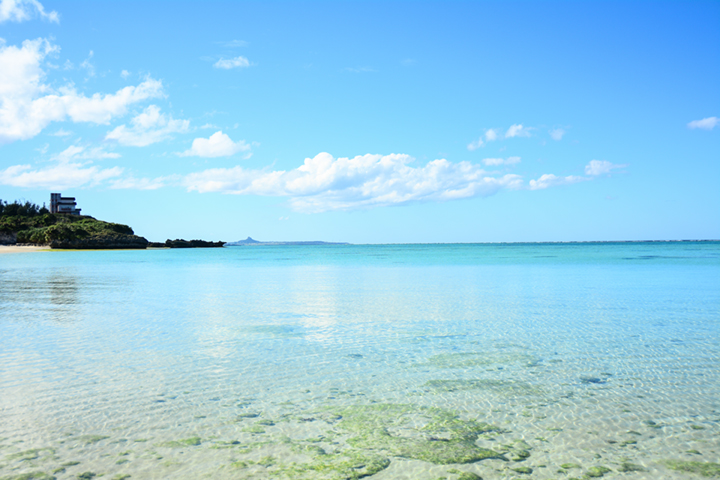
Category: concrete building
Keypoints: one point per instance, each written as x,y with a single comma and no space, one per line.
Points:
60,204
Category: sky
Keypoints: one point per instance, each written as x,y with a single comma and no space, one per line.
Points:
368,122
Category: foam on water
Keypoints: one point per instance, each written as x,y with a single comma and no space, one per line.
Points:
349,361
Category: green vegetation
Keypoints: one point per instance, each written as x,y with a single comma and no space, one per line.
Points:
464,475
188,442
92,438
597,472
28,223
31,454
429,434
630,467
706,469
30,476
348,465
523,470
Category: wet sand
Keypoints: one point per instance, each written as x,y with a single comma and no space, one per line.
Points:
21,248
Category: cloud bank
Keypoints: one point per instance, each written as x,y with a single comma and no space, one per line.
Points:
149,127
325,183
21,10
27,105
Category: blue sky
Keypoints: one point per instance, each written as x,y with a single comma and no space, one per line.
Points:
368,122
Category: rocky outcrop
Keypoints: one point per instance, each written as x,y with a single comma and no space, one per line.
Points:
180,243
116,241
8,238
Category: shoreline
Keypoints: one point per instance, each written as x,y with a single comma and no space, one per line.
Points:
21,248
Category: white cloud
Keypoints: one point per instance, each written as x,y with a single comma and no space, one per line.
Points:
228,63
124,74
89,66
705,124
132,183
27,105
324,183
557,133
77,152
360,69
234,44
472,146
218,145
61,133
601,167
491,134
63,175
517,131
20,10
492,162
549,180
149,127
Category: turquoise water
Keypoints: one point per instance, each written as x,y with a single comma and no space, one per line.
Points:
384,362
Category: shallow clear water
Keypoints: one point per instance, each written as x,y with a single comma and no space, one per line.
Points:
413,361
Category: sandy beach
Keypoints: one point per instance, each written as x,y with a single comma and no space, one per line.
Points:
21,248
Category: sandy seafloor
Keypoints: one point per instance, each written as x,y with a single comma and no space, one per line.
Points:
116,366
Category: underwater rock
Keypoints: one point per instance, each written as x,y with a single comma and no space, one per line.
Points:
630,467
597,472
523,470
706,469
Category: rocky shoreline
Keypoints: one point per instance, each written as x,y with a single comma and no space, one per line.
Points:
28,224
180,243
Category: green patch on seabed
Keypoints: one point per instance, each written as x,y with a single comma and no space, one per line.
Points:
187,442
706,469
480,359
523,470
429,434
350,465
465,475
30,476
92,438
630,467
597,472
31,454
501,386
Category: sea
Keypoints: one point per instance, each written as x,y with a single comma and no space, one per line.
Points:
423,362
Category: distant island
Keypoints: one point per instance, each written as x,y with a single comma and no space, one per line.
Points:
62,227
252,242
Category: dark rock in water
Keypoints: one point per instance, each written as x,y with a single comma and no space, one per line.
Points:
589,380
180,243
111,241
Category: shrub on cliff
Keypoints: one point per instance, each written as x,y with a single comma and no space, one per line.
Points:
28,223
